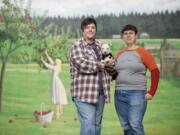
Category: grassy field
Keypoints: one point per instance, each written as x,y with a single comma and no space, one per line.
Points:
26,87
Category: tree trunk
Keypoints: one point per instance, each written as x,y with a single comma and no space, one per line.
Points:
1,82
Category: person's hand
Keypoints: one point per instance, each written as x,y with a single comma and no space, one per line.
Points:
109,66
148,96
109,63
42,60
46,52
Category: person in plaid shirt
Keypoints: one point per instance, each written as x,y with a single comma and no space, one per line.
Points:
90,86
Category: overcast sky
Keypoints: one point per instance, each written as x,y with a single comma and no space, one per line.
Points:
94,7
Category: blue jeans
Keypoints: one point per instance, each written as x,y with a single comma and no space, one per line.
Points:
90,116
130,107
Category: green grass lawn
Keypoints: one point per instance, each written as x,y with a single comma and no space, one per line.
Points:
25,88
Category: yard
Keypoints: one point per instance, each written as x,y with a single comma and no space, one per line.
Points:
26,87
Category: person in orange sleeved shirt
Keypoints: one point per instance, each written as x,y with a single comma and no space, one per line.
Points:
131,92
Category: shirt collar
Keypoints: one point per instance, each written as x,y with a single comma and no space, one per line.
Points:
86,44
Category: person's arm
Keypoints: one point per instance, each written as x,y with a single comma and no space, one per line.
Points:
154,83
49,66
50,60
83,64
48,57
151,65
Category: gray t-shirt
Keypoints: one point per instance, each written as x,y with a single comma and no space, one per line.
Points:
131,72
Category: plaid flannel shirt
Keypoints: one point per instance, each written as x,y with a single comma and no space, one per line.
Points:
84,69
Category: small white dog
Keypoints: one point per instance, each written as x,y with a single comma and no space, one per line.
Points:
106,48
108,57
106,52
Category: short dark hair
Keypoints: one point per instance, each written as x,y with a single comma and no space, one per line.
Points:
129,27
88,21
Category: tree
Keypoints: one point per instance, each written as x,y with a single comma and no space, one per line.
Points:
18,28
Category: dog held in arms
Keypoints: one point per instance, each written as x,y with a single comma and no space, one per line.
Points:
107,57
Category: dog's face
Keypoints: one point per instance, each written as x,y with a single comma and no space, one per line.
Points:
106,48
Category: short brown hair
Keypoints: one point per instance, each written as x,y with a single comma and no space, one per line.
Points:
129,27
88,21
